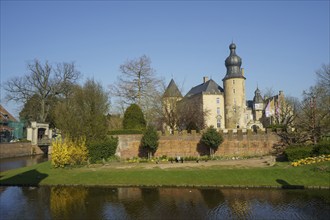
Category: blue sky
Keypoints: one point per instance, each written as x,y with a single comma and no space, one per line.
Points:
281,43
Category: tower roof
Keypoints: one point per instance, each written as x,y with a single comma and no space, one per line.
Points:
208,87
172,90
257,96
233,64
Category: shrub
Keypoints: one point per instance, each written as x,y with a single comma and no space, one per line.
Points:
69,152
102,149
150,140
322,148
134,118
294,153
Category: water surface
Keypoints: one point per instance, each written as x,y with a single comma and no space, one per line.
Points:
17,162
161,203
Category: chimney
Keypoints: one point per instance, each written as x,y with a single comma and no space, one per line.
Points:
242,71
205,79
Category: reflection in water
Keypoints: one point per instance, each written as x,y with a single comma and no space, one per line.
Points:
161,203
17,162
65,201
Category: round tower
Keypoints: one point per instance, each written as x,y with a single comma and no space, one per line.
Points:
234,87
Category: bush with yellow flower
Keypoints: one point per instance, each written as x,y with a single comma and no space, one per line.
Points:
311,160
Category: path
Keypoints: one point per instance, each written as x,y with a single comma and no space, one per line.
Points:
252,162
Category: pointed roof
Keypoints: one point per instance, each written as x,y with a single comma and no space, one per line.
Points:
208,87
257,96
5,116
172,90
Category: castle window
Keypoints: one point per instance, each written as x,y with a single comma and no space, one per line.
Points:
233,82
218,111
218,123
218,100
234,91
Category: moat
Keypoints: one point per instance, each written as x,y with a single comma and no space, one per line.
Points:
17,162
74,202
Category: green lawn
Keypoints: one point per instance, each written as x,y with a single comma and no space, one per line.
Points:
278,175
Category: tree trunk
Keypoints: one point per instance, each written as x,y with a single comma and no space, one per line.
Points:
42,112
139,89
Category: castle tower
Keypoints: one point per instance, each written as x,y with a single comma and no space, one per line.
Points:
169,101
258,105
234,87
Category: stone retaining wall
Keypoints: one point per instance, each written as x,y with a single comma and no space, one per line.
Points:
238,144
8,150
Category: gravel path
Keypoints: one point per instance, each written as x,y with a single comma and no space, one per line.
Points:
252,162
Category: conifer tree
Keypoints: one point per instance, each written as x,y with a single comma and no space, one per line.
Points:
150,140
134,118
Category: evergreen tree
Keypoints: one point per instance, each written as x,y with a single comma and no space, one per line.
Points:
150,140
134,118
212,139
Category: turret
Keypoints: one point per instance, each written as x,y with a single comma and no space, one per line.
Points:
258,105
169,100
234,87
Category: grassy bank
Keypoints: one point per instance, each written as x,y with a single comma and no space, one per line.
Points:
282,174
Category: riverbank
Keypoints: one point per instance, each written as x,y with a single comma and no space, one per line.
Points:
242,173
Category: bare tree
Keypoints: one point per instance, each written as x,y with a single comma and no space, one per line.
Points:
138,84
44,82
136,79
269,92
191,115
286,118
323,77
286,112
310,118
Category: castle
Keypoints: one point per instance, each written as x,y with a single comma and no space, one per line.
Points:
226,106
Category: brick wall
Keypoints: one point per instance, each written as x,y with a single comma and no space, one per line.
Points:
238,144
18,149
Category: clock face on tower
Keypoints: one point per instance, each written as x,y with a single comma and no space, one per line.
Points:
258,106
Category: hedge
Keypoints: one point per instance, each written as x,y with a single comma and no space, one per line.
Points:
322,148
125,131
294,153
102,149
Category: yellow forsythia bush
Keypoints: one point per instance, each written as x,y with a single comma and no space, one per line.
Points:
69,152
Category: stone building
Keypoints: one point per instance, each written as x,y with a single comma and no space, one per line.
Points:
225,107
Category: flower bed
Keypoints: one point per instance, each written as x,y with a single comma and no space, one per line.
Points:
311,160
